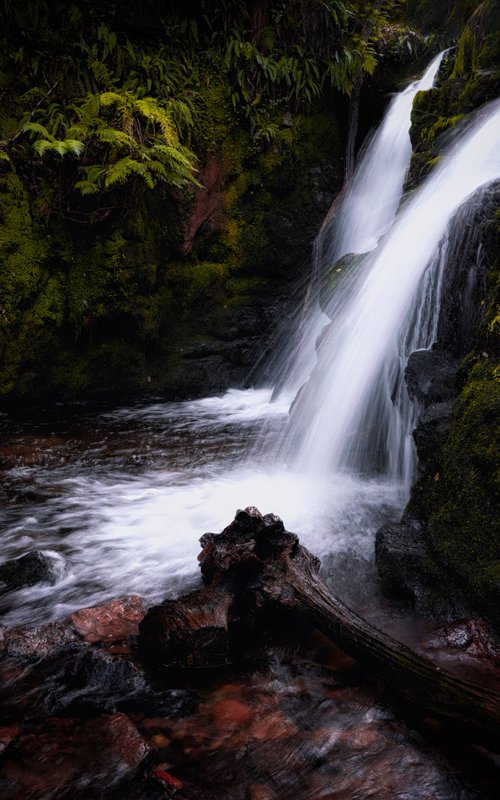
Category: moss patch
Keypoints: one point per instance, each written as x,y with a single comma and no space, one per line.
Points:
465,527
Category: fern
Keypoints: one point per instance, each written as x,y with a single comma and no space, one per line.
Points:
37,127
102,73
62,147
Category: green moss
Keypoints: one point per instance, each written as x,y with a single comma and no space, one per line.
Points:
31,304
470,77
437,127
464,528
466,57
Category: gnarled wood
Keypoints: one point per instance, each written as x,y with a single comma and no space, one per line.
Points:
262,567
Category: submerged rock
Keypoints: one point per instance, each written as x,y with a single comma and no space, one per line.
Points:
469,637
93,679
29,569
61,756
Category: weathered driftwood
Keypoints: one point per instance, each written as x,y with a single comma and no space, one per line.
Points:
255,567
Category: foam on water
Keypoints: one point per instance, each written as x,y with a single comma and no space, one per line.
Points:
122,533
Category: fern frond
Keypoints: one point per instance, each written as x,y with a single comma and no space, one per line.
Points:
119,172
111,98
89,109
101,73
37,127
78,131
74,146
87,187
42,146
153,112
115,138
159,169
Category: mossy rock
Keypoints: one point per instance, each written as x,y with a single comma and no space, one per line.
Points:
464,528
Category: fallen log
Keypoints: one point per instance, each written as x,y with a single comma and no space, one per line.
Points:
255,568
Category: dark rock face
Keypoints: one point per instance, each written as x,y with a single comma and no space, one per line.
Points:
435,532
93,679
471,249
33,567
430,374
402,553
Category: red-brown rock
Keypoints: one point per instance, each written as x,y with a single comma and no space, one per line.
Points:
38,642
111,622
61,752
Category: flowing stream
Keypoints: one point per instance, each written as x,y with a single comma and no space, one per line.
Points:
121,499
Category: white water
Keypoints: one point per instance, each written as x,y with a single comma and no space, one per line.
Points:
350,402
374,194
136,489
356,224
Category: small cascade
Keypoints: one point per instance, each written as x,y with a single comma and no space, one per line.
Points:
354,415
359,217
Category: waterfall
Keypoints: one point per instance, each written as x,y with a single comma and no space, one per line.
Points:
362,214
354,414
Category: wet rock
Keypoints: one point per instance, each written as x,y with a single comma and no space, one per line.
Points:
61,754
430,435
402,555
471,637
430,374
29,569
189,632
38,642
93,679
111,622
430,377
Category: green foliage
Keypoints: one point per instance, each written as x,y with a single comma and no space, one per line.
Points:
299,55
440,125
31,301
465,528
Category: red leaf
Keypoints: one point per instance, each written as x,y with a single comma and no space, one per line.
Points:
167,778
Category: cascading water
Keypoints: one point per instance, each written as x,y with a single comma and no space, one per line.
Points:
366,210
126,497
354,414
